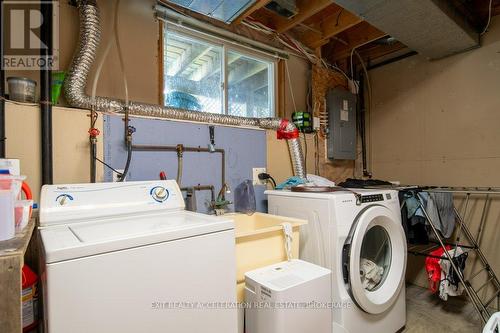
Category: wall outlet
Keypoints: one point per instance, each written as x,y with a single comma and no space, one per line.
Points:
115,175
256,172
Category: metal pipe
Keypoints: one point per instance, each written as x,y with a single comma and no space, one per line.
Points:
202,188
391,60
45,94
2,91
76,81
479,252
180,149
462,191
93,156
187,149
483,219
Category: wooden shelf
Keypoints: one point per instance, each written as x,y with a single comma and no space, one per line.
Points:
12,253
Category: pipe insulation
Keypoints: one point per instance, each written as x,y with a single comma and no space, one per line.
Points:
76,81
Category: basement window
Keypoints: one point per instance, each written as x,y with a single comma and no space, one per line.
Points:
210,75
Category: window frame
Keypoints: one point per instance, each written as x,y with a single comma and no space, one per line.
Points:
226,46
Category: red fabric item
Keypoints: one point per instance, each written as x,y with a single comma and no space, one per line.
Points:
29,277
29,281
434,269
283,134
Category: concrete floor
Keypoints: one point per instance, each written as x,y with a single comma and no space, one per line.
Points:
427,313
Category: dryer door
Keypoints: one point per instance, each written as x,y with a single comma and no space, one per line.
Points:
374,259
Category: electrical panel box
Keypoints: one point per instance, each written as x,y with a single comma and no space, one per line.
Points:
341,107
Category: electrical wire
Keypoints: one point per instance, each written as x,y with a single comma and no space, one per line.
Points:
489,18
292,44
305,152
316,153
290,86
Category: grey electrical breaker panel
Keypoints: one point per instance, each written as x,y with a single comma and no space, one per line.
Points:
341,107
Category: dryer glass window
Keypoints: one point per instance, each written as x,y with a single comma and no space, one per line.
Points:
375,260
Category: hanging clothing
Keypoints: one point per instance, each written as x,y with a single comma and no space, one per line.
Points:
414,223
433,268
450,283
441,211
371,274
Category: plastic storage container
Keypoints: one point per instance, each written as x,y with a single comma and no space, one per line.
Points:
22,89
22,213
10,186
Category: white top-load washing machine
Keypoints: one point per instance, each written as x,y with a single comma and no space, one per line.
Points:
127,257
361,239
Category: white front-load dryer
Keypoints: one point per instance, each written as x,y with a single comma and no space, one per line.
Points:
361,240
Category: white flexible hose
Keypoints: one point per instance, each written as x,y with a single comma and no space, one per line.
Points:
114,33
101,64
120,55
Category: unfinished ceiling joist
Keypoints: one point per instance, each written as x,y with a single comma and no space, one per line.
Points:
306,9
250,10
329,26
359,35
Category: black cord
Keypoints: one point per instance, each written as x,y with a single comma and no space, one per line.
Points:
127,165
108,166
272,181
267,177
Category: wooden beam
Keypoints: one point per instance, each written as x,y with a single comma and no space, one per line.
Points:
330,26
306,9
361,34
250,10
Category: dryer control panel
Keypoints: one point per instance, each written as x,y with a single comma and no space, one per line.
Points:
77,202
372,198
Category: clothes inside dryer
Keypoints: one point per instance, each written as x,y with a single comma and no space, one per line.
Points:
375,259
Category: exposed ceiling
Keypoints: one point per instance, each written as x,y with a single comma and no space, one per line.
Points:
333,31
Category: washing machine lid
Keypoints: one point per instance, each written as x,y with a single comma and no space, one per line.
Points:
76,240
374,259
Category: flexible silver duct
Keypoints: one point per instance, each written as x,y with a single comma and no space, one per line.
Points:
76,81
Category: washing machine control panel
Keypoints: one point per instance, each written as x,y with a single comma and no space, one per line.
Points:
372,198
64,204
159,193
